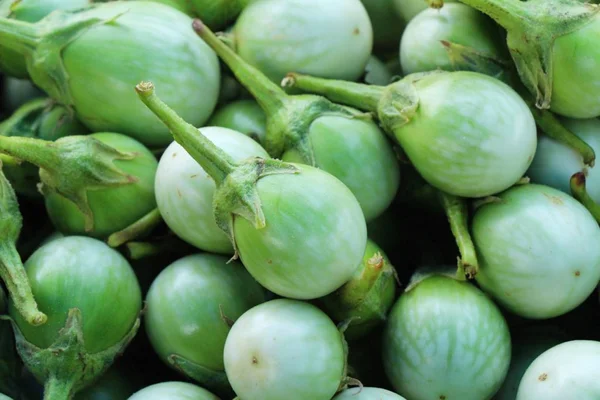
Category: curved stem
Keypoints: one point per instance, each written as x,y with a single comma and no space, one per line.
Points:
553,128
579,191
36,151
270,96
25,112
14,276
215,161
457,213
139,228
364,97
19,36
55,389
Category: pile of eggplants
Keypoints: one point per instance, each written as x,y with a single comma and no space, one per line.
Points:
299,199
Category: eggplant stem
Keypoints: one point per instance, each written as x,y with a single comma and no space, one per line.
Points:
270,96
553,128
361,96
457,212
55,389
215,161
579,191
138,229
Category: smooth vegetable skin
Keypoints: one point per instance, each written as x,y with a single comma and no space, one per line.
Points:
173,391
11,62
367,393
285,349
387,27
85,273
421,48
554,51
298,230
567,371
216,13
408,9
245,116
527,344
331,39
93,301
466,133
554,163
190,307
16,92
95,65
445,339
185,192
311,130
539,251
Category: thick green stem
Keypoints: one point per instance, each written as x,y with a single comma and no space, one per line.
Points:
553,128
19,36
14,276
55,389
270,96
215,161
138,229
366,281
361,96
38,152
579,191
457,213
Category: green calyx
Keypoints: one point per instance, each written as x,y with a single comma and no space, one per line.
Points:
42,119
289,117
66,367
532,28
238,196
236,193
42,44
12,270
215,381
395,105
464,58
367,297
71,166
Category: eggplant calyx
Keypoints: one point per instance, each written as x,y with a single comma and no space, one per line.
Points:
532,28
72,166
66,367
238,196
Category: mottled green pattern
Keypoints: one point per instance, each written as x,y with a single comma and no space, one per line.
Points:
189,303
84,273
446,340
314,239
539,251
